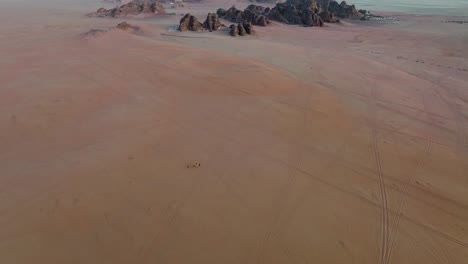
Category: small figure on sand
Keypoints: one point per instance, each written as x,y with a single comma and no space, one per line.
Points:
193,165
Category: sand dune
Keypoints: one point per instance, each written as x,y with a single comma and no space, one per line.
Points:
313,145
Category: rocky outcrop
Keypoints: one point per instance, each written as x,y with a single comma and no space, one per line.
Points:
343,10
212,22
298,12
131,9
312,12
93,33
338,9
125,26
232,14
259,10
190,23
265,1
150,1
329,17
252,14
249,29
241,29
101,12
304,4
234,31
322,5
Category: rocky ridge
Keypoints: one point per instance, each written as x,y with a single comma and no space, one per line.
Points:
297,12
253,14
124,26
191,23
241,29
131,9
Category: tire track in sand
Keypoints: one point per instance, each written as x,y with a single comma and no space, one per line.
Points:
383,192
372,109
452,105
402,205
448,258
413,176
383,197
313,177
169,215
275,225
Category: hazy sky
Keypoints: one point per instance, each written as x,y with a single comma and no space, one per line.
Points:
442,7
448,7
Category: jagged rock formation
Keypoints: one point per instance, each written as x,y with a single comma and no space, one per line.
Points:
101,12
131,9
212,22
252,14
325,14
121,26
241,29
304,4
93,33
189,22
343,10
125,26
234,30
312,12
249,29
299,12
264,1
329,17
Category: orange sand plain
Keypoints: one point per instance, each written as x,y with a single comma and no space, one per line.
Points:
342,144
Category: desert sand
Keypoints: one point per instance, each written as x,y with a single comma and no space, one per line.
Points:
341,144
